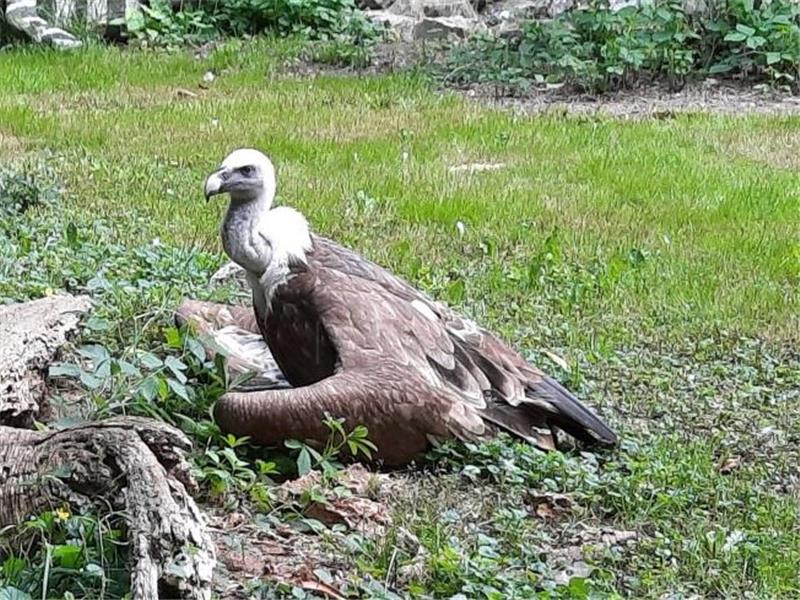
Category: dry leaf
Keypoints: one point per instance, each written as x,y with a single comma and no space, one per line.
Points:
550,505
730,465
324,588
183,93
556,359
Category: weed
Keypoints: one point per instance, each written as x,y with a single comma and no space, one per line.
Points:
347,34
60,554
598,49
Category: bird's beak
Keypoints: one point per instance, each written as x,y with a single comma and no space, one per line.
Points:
215,184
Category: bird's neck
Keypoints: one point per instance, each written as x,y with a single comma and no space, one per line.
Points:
251,204
241,221
258,237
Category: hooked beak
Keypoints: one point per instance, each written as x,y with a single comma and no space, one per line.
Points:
215,184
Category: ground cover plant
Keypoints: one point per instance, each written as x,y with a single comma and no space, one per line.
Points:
652,266
598,49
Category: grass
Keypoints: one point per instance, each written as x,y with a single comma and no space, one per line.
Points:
660,258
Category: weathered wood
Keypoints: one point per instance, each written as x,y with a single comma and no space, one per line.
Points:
30,335
132,464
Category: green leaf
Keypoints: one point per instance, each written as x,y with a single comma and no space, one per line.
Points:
149,388
735,36
98,324
93,570
747,31
303,462
12,593
178,388
150,360
293,444
456,291
177,368
755,41
196,348
163,388
128,369
773,57
95,352
64,370
68,556
90,381
173,338
359,432
13,566
720,68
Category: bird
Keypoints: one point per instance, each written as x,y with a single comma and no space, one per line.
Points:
357,342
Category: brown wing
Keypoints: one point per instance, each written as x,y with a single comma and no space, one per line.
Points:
295,335
391,401
370,315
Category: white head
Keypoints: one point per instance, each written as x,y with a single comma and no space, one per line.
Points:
246,175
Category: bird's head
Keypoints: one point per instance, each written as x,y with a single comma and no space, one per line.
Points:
246,175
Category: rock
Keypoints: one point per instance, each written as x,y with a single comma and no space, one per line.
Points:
443,28
30,335
374,4
400,28
515,10
433,8
23,16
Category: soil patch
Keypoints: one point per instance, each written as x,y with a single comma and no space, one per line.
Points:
649,102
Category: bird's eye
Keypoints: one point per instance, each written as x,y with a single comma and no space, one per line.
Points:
247,171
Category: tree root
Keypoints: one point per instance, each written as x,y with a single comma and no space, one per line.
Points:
132,464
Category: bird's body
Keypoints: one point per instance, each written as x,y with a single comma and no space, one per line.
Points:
359,342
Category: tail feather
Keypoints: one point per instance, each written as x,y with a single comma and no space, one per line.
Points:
569,413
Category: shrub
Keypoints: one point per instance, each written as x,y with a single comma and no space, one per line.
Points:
22,188
599,49
330,20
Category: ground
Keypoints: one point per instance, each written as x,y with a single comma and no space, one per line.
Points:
650,264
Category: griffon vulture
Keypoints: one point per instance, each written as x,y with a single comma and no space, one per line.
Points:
355,341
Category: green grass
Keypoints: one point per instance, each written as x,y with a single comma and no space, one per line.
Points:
660,258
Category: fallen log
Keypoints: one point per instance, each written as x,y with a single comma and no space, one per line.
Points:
131,464
30,335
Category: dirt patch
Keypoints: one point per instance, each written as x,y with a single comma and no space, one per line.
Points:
778,149
117,98
292,552
9,144
647,103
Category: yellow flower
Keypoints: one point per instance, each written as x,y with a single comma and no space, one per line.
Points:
62,514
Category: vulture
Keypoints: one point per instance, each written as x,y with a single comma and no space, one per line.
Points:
353,340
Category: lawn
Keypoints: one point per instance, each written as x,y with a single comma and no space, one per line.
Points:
660,259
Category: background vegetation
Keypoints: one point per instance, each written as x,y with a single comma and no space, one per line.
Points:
597,49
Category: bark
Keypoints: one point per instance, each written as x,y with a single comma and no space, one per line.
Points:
30,335
130,464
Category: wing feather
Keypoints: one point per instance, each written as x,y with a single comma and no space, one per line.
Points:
372,315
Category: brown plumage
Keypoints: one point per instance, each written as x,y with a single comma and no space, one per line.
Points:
358,342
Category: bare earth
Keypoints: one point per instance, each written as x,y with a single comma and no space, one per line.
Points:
651,102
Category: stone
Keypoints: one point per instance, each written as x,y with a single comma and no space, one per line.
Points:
399,28
434,8
375,4
515,10
23,16
444,28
